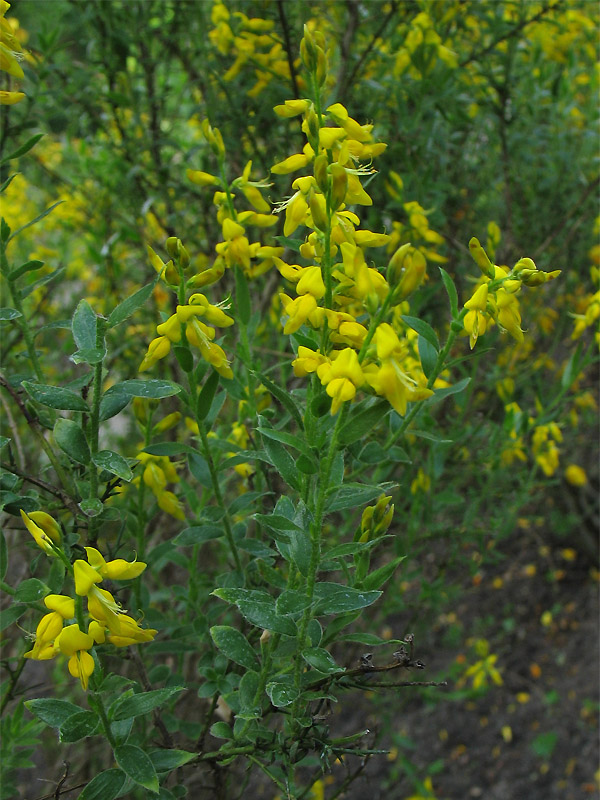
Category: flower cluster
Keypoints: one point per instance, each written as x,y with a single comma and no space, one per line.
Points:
253,42
185,322
236,249
11,53
495,297
338,292
158,472
107,621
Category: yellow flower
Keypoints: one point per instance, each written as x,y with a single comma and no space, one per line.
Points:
116,570
44,529
575,475
341,377
75,643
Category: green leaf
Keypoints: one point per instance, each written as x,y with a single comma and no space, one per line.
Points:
84,326
197,534
291,602
349,549
277,523
71,440
320,659
361,423
284,398
440,394
221,730
428,356
33,221
207,394
129,306
282,691
350,495
424,329
451,291
373,453
89,355
234,645
9,313
22,149
79,726
544,743
292,244
55,397
370,639
4,440
137,765
31,590
151,389
91,507
113,401
26,267
105,785
377,578
168,449
572,367
336,598
247,692
282,461
27,290
167,760
242,296
143,703
262,613
11,614
53,712
113,463
287,438
431,437
3,556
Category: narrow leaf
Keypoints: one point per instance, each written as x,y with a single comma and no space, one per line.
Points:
451,291
424,329
129,306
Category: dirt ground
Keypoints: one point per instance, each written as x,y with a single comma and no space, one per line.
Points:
535,737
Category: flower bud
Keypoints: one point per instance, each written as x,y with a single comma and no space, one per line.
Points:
318,211
339,185
480,258
321,174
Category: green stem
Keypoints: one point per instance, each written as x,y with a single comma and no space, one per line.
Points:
99,705
213,473
25,330
315,555
95,424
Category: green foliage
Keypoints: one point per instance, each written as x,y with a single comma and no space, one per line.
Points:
264,503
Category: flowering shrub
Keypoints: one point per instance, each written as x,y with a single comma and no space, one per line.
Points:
260,324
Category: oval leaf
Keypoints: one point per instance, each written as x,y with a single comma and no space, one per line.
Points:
234,645
151,389
113,463
55,397
137,765
71,440
106,785
138,704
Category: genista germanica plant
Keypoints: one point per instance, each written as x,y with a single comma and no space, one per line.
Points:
258,633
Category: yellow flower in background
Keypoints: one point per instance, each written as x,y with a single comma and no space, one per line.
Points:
575,475
11,53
